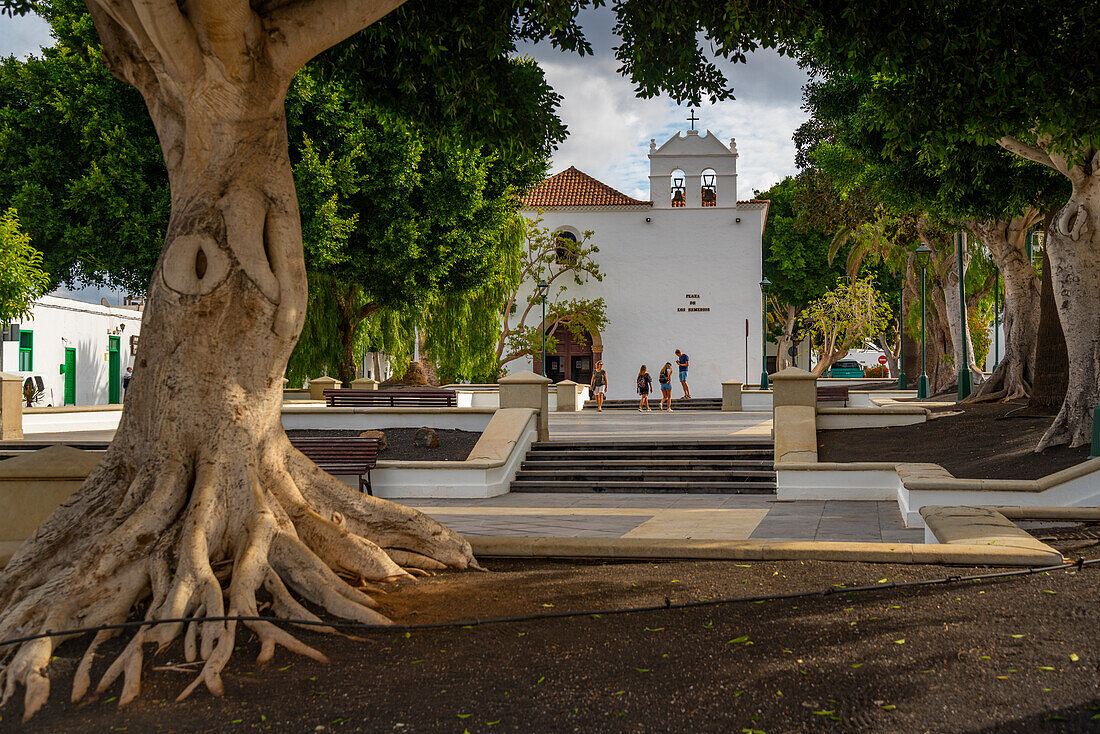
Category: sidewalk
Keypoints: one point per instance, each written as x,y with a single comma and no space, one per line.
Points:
694,516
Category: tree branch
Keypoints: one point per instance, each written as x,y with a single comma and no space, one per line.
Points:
172,35
1012,145
301,30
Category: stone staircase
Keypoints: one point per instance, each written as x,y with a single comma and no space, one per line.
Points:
648,466
655,402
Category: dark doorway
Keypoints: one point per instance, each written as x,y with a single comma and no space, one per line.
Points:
573,359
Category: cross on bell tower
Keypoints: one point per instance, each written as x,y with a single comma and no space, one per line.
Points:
693,119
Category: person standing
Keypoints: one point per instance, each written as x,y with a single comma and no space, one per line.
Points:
126,381
682,361
598,385
664,379
645,387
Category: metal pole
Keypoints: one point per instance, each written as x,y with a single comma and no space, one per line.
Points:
966,383
542,372
996,318
764,384
901,333
922,381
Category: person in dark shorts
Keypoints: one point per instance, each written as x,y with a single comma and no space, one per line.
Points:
598,385
645,387
682,361
665,381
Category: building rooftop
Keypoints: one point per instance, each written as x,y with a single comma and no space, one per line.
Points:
573,187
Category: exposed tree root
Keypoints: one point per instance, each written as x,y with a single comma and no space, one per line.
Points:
205,546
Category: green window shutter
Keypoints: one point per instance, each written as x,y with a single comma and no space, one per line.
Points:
26,350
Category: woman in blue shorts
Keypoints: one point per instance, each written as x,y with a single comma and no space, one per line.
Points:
665,380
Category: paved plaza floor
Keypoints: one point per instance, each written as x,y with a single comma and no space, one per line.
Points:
694,516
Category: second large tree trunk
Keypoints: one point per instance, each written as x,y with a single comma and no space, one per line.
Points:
1073,246
1007,242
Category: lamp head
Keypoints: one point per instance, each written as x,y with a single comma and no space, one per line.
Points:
922,254
765,284
543,286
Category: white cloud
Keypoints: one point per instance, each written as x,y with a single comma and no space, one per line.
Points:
610,128
23,35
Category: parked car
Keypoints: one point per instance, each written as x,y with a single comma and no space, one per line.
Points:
846,368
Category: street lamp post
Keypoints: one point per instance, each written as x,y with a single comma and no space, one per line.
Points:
901,331
543,286
922,382
764,285
966,383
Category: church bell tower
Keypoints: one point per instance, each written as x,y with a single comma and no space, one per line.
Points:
693,171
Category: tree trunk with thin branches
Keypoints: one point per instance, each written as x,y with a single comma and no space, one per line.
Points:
1007,242
201,504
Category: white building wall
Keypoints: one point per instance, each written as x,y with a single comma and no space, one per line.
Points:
58,323
650,268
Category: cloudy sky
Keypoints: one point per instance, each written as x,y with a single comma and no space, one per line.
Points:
609,127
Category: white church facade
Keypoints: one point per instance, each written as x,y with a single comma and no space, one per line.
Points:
681,271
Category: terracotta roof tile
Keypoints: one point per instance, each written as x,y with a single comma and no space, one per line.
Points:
572,187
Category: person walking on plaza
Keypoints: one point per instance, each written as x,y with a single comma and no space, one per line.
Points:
665,381
598,385
682,361
645,387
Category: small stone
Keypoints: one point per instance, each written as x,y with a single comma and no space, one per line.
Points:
379,436
426,438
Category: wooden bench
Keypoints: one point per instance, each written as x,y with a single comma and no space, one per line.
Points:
832,394
343,456
391,398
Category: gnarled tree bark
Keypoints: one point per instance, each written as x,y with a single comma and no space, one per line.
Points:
1073,246
1007,242
201,502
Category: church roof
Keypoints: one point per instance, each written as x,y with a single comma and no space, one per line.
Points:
572,187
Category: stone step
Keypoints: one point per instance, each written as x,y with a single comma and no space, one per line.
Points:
647,474
532,462
637,443
656,456
654,404
645,487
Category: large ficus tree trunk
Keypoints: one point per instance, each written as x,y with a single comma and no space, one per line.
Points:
1073,246
201,502
1007,242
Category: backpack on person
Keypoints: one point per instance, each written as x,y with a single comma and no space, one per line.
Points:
642,382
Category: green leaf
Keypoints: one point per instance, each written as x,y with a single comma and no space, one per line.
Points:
738,640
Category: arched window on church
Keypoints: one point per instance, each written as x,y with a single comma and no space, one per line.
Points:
709,187
566,251
679,193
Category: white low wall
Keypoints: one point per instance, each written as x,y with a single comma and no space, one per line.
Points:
914,486
316,416
488,472
834,419
876,482
873,398
488,396
756,400
71,418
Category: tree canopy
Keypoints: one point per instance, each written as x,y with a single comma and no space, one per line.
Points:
22,278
